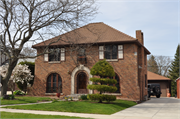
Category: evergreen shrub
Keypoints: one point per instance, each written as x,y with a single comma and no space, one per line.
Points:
102,82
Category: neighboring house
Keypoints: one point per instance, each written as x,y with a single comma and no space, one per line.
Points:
164,82
126,54
178,87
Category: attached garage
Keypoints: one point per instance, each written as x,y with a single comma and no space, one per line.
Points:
164,82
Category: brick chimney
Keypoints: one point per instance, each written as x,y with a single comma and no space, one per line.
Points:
139,36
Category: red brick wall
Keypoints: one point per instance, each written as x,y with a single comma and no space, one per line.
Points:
126,68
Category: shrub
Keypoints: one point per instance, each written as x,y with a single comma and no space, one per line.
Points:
102,88
102,97
8,97
83,97
102,69
18,92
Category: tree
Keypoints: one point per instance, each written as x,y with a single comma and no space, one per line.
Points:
29,20
23,86
104,71
21,73
174,72
27,51
152,64
163,63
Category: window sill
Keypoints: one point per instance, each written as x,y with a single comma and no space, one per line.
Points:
54,62
112,60
113,93
52,94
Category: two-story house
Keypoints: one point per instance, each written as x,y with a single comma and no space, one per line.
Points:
126,54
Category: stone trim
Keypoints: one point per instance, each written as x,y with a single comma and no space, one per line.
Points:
112,60
112,93
48,94
79,68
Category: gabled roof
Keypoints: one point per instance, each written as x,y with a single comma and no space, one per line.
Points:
177,79
154,76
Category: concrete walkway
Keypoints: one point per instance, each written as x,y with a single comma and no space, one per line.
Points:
156,108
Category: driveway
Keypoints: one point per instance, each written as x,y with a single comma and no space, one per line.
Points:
156,108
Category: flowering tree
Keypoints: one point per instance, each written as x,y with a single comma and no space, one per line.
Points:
21,73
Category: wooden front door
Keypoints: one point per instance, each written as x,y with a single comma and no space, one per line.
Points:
81,81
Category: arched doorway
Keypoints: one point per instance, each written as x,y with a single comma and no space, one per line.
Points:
81,83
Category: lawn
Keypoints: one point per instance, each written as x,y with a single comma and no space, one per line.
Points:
24,99
79,106
22,115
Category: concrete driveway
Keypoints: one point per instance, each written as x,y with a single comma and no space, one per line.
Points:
156,108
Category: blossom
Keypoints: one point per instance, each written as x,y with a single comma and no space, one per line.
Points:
21,73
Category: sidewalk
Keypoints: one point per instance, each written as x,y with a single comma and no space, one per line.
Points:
156,108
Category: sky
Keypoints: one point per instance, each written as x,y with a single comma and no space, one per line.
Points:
159,20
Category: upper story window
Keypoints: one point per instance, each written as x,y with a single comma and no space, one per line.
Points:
54,55
111,52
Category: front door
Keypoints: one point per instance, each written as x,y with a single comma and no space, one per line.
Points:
81,83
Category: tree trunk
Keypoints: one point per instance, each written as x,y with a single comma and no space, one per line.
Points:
5,80
4,87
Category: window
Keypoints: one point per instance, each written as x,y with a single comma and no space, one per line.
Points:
54,83
145,80
110,52
54,55
117,84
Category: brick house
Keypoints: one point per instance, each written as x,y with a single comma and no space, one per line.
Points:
165,83
126,54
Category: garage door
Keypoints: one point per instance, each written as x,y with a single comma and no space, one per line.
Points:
163,90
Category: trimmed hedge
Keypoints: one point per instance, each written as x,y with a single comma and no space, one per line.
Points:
101,97
102,88
104,80
102,68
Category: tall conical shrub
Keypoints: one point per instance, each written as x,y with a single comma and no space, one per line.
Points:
104,71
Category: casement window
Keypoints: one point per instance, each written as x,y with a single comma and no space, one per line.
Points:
54,83
56,54
111,52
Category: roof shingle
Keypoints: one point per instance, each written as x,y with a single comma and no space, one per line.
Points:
91,33
154,76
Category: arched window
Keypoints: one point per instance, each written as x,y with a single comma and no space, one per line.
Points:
117,84
54,83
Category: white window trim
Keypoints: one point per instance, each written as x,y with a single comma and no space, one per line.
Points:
101,52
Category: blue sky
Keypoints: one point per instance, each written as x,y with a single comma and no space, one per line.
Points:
159,20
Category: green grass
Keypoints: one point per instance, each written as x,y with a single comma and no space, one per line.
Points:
22,115
24,99
79,106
